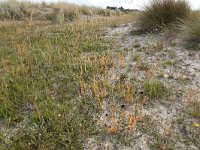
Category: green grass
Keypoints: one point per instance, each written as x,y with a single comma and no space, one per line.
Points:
57,125
155,89
194,109
41,70
55,77
42,75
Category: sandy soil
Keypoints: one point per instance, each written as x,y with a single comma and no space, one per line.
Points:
173,65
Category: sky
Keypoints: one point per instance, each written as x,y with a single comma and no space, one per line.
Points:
138,4
133,4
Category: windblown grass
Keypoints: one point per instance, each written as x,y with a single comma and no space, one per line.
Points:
190,29
15,10
56,12
161,13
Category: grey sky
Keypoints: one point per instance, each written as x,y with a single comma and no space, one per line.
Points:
125,3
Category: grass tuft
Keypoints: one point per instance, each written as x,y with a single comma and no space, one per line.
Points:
191,31
194,109
155,89
15,10
161,13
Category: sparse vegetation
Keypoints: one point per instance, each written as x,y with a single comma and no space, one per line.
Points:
155,89
147,125
142,65
194,109
44,74
75,76
137,32
161,13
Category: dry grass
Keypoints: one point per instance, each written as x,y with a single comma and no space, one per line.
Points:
43,75
15,10
56,78
161,13
56,12
190,29
194,109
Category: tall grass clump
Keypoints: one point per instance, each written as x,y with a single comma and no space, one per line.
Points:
162,13
54,12
191,30
103,12
86,10
15,10
71,12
